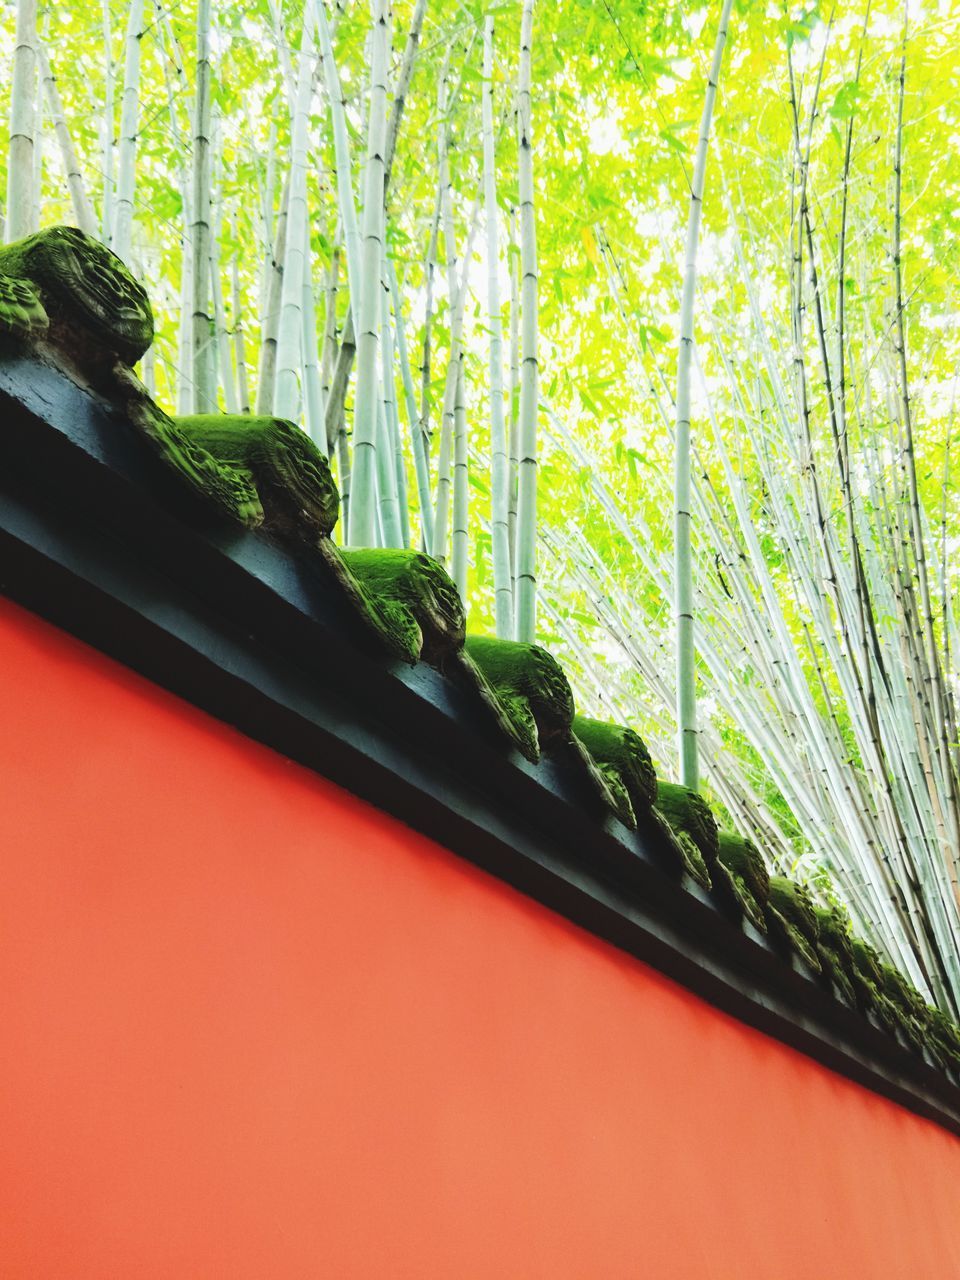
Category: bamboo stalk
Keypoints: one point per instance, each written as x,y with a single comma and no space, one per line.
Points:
227,377
270,315
36,178
417,442
514,401
290,386
446,454
392,476
500,476
82,208
686,650
20,156
202,370
106,164
459,531
314,401
363,493
525,602
122,238
239,340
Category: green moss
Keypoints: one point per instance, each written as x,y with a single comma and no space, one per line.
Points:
21,311
944,1034
88,293
883,990
833,948
908,1003
606,787
462,669
230,489
624,761
868,984
684,854
532,688
690,814
897,989
743,876
292,477
419,584
792,919
389,622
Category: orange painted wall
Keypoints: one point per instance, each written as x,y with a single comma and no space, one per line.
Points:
252,1027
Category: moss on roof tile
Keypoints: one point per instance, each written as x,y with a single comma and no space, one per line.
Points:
85,288
694,827
419,584
532,687
742,874
21,311
835,951
868,984
624,761
792,919
292,477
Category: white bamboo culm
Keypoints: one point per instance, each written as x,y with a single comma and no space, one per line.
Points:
239,341
526,552
330,345
351,247
513,263
395,530
459,530
20,173
430,271
121,241
203,374
348,346
224,355
270,311
500,474
182,371
265,221
421,463
363,497
185,327
443,219
106,162
344,164
448,418
388,378
36,182
288,395
82,208
456,303
314,399
683,572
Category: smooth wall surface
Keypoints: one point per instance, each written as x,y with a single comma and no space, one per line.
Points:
252,1027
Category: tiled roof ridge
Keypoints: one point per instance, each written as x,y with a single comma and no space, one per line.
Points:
71,302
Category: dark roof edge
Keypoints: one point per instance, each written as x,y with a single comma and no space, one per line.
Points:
96,537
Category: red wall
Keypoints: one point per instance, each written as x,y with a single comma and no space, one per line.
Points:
252,1027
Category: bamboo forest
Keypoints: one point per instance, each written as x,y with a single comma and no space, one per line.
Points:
640,318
